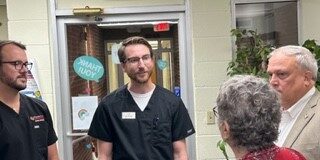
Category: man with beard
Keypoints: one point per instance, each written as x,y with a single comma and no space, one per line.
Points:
293,73
26,130
140,120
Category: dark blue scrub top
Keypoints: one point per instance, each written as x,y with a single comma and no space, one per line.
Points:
27,135
141,135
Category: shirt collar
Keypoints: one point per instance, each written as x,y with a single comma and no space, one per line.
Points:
294,110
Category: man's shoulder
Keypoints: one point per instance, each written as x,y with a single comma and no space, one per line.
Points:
314,102
307,124
167,98
33,102
317,95
115,96
166,93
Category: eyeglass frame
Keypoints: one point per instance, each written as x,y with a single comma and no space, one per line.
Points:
136,60
215,112
28,65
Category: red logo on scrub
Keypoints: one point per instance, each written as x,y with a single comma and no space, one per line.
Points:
37,118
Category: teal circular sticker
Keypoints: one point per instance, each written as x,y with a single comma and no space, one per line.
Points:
88,67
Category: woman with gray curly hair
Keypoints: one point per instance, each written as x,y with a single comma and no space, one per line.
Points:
249,116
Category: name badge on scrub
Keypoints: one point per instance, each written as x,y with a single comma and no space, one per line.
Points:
128,115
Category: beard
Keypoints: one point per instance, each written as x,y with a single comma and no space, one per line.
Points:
13,83
140,80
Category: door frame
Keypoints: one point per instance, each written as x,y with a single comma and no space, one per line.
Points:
60,19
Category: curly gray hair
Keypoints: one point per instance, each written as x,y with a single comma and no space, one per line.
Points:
252,110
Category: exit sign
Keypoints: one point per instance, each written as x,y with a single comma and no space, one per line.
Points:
161,27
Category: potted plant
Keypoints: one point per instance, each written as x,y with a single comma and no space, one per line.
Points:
251,54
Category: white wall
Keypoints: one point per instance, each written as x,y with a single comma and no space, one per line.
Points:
28,24
211,25
3,22
310,21
69,4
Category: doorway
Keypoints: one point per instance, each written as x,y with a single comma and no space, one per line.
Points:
82,39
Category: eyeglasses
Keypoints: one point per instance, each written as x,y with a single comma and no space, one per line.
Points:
136,60
215,112
18,65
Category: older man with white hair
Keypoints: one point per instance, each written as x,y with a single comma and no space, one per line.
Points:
293,73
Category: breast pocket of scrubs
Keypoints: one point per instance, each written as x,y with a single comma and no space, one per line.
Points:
40,133
161,131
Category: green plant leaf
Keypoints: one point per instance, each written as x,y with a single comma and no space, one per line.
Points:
251,53
222,146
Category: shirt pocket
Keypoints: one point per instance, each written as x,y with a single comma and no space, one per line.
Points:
40,132
162,133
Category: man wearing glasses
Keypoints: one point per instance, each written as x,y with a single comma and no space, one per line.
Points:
140,121
26,130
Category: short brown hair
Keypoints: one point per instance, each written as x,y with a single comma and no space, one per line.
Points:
6,42
132,41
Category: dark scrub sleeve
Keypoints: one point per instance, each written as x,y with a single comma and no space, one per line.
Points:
52,137
182,126
100,125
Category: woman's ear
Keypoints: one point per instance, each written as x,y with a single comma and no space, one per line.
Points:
225,130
